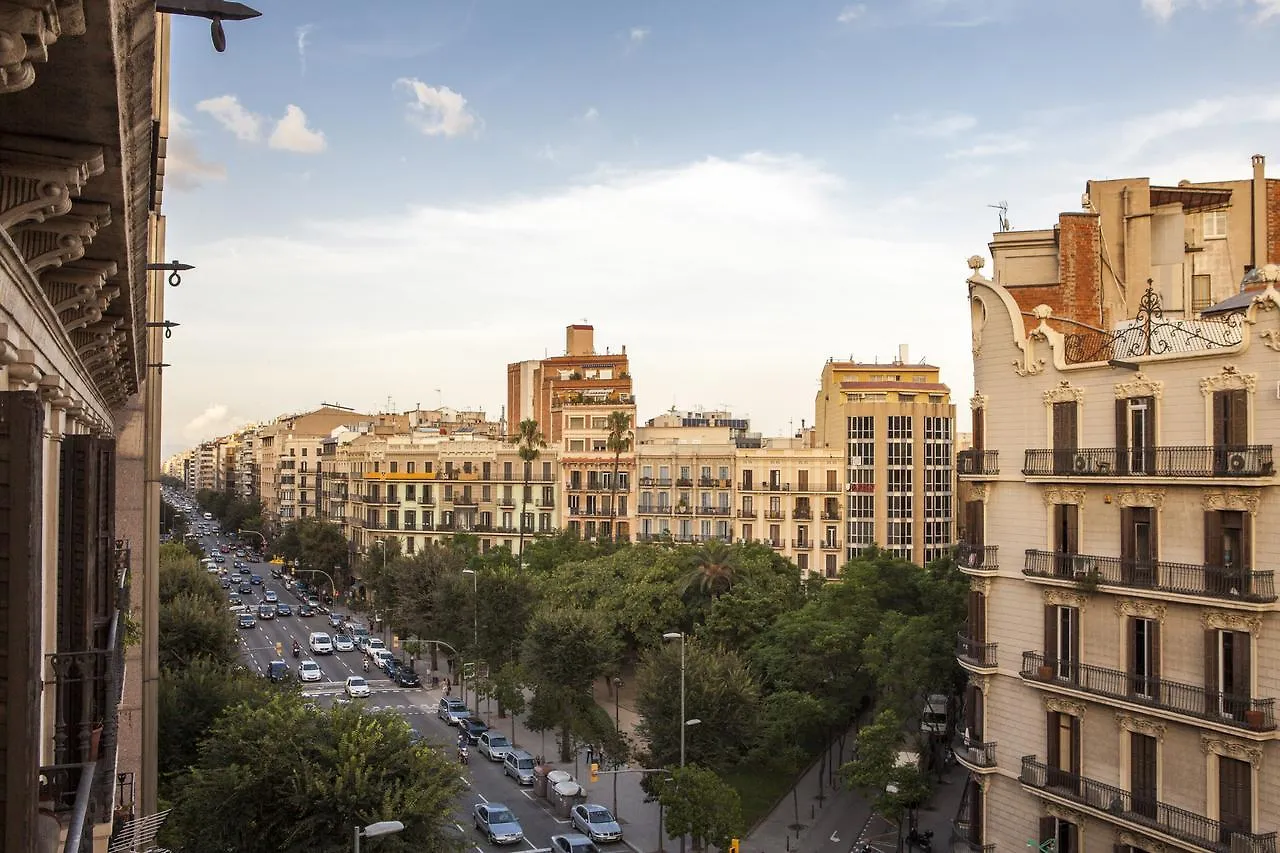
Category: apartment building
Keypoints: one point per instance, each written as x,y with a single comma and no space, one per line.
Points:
1120,527
686,463
894,425
81,182
572,397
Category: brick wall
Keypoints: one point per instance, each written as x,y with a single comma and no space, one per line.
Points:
1273,221
1076,296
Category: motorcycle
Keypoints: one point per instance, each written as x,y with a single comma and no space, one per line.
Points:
923,840
366,664
297,650
463,754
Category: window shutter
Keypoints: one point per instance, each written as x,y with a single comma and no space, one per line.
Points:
1246,545
1075,746
1238,417
1122,435
1127,554
1047,827
1149,424
1155,649
1050,633
1074,617
1220,418
1131,652
1073,527
1241,652
1053,755
1212,540
1211,670
979,429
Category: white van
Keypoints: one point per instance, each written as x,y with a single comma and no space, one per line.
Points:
208,516
320,643
934,717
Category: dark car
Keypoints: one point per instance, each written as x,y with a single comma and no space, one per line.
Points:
247,621
245,589
278,670
336,619
306,610
284,610
391,666
275,573
406,677
226,583
256,580
472,728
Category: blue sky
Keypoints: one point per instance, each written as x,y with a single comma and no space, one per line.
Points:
391,197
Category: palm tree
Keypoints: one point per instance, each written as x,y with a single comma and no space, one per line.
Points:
619,441
530,441
714,566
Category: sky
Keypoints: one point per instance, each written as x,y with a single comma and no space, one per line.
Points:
388,201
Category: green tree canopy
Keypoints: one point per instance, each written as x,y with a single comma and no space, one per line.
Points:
316,544
884,772
699,804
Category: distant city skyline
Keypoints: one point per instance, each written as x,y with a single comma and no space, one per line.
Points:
382,204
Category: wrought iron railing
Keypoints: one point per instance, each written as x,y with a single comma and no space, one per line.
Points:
802,544
1110,801
976,652
962,834
978,462
977,558
801,513
775,515
713,510
1151,334
649,509
974,753
1214,460
465,500
747,513
1224,582
1193,700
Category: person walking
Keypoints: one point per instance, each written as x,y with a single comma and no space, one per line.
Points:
448,685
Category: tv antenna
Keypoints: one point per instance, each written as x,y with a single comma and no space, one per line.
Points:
1003,207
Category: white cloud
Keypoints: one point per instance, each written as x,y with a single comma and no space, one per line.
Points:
637,35
547,152
213,422
292,133
231,114
304,32
185,166
991,145
1164,10
935,125
1268,9
591,114
437,111
849,14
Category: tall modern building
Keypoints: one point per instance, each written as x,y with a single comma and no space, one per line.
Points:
894,424
1120,527
571,396
83,124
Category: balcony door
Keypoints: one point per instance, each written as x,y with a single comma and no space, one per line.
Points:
1064,437
1066,538
1227,535
1062,640
1136,435
1228,671
973,714
1143,774
1138,546
1064,750
1144,658
1235,797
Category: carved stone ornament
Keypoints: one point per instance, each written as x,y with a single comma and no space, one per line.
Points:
978,320
1028,367
1230,379
1063,495
26,33
1231,499
981,682
62,239
1141,725
1270,338
23,373
1140,386
979,491
1233,749
40,178
1135,841
1064,597
1226,620
1142,497
1069,815
1064,392
982,585
1064,706
1140,608
978,401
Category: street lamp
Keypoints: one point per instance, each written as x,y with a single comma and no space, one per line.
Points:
684,721
475,627
373,830
617,725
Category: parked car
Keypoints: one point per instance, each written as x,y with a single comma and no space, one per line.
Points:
573,842
497,823
596,822
379,658
374,644
309,670
519,765
452,710
493,745
472,728
336,620
357,687
406,677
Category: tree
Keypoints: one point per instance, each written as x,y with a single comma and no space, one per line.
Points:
530,443
701,805
564,651
316,544
618,442
891,779
191,629
714,567
284,777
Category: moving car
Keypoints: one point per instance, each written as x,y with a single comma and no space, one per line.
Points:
247,620
472,728
266,611
306,610
320,643
357,687
277,670
256,580
379,658
336,620
270,595
573,842
493,745
343,643
519,765
596,822
452,710
284,610
497,823
309,670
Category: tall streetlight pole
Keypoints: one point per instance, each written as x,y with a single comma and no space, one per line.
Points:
684,723
617,725
475,626
373,830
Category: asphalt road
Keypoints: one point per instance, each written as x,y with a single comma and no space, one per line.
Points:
485,780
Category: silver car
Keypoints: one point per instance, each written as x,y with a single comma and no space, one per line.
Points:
497,823
596,822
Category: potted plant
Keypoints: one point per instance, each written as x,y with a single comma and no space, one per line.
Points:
1046,671
1255,719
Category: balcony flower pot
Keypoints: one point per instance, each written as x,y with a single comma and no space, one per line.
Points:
1046,672
1255,719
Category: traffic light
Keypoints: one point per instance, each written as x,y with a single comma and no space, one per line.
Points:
279,649
595,771
733,845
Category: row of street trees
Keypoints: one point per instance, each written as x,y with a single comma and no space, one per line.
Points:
247,765
234,513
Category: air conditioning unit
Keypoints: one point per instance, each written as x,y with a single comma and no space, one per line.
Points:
1081,464
1237,462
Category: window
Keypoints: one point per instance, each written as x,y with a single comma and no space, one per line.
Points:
1064,437
898,453
898,479
862,428
1137,546
899,426
1136,434
1235,796
599,423
577,445
831,570
802,562
1144,657
599,445
899,506
1228,676
1214,223
577,422
395,466
1062,640
410,520
1201,292
1059,835
506,470
1063,741
1227,546
304,451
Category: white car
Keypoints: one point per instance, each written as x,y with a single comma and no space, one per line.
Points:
379,657
343,643
320,643
357,687
494,745
309,670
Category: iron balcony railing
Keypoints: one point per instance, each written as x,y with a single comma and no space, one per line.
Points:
713,510
977,558
802,544
708,482
830,545
649,509
976,652
978,463
802,513
962,835
465,500
747,513
1244,460
775,515
1193,700
973,752
830,515
1224,582
507,503
1115,803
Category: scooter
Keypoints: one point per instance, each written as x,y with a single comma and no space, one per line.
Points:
366,664
463,754
923,840
297,650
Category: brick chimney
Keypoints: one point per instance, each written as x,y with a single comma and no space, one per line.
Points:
1079,272
579,339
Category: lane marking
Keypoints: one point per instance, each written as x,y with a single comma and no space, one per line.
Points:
482,797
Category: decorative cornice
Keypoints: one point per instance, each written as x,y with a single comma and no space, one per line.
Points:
982,682
1231,499
1064,706
1142,497
23,372
1069,815
1140,385
1064,597
1230,379
26,34
978,401
1063,495
1226,620
1270,338
1063,392
982,585
1140,608
1141,726
1232,749
63,238
40,178
1134,841
979,491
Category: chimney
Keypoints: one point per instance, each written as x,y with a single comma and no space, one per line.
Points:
902,353
579,339
1260,258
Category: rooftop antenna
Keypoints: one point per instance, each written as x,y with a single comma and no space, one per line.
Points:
439,398
1003,207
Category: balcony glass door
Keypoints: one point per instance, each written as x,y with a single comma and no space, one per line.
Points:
1137,546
